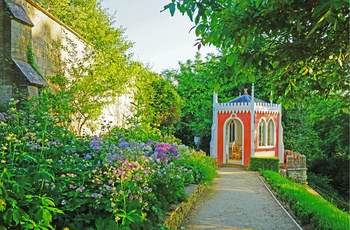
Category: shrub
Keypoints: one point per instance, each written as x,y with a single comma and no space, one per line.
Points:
309,208
204,168
139,134
264,163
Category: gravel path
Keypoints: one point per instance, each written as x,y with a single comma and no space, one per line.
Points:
237,199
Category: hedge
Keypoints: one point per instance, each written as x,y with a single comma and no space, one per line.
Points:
264,163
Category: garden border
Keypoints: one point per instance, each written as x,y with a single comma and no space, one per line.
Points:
176,217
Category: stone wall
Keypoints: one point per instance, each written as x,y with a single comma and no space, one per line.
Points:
5,56
55,46
177,216
294,166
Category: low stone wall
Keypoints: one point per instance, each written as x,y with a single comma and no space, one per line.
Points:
298,175
176,217
294,166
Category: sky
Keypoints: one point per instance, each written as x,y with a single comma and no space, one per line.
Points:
160,40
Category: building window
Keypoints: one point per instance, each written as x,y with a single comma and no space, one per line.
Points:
232,131
271,133
262,132
266,133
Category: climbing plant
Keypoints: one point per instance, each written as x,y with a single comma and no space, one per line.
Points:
31,59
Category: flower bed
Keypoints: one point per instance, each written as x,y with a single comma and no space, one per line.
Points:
51,179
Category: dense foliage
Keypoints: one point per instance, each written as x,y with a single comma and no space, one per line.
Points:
321,132
300,47
157,103
311,210
52,179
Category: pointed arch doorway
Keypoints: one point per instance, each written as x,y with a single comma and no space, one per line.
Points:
234,141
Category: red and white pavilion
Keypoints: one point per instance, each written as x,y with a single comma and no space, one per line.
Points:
250,123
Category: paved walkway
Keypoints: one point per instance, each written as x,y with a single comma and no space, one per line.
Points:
238,200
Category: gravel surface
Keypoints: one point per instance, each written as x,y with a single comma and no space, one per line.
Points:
237,199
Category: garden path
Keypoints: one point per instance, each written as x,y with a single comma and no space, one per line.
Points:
238,200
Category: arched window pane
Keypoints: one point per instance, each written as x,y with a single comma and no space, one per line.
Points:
262,133
232,131
271,133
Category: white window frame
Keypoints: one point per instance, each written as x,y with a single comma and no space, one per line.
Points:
271,133
267,133
262,133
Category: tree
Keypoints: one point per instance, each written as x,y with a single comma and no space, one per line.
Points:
156,105
300,47
104,70
195,86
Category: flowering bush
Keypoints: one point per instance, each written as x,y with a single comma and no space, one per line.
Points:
52,179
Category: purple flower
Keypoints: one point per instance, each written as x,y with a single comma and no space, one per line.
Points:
72,186
95,143
163,149
110,159
87,157
80,189
56,143
173,150
163,157
123,143
94,195
3,117
132,144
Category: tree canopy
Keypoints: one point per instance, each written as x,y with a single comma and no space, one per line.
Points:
300,46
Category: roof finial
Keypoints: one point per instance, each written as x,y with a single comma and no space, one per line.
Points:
245,91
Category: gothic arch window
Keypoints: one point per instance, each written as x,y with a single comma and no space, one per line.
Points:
232,131
271,133
262,132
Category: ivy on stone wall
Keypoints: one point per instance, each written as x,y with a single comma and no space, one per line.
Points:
31,59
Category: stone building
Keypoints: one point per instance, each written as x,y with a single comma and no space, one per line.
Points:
26,28
15,39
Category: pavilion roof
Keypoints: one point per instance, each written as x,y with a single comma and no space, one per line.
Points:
245,98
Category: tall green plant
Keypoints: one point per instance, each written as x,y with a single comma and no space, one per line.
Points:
156,103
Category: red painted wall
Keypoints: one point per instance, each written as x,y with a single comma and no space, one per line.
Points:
245,118
267,117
